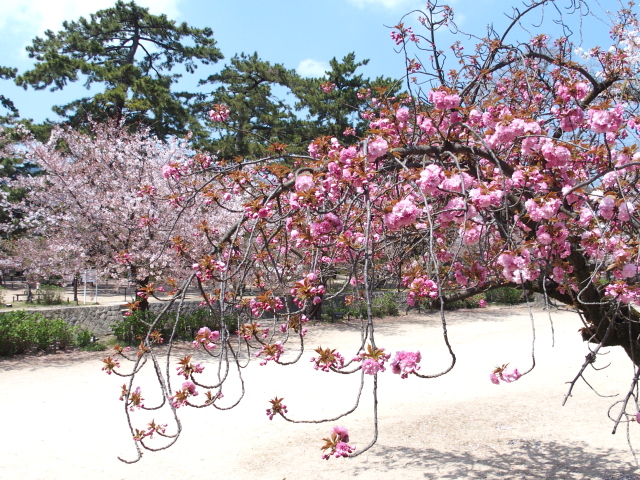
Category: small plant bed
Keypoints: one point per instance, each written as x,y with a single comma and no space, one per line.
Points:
132,328
23,332
472,302
385,305
505,296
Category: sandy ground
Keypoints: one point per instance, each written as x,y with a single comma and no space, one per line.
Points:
61,418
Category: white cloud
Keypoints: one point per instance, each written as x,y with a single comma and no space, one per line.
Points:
35,16
391,4
312,68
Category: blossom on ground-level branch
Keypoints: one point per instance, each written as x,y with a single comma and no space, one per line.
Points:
405,363
337,444
373,360
505,374
277,408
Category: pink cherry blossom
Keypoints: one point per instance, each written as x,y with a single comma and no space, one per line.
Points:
377,148
556,155
571,119
603,121
341,432
220,113
443,101
607,205
327,87
426,125
402,114
304,183
430,178
371,366
506,374
405,363
629,270
625,210
511,375
404,213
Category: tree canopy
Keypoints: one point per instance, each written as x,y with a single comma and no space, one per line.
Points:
257,117
102,202
133,56
270,106
335,102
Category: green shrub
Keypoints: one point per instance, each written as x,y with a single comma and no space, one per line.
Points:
385,306
17,332
83,337
132,327
357,309
21,331
50,294
505,295
471,302
43,333
231,321
62,334
95,347
135,326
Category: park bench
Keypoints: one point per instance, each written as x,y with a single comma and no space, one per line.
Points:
34,295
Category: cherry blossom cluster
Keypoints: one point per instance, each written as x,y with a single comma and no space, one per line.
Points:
308,289
271,352
505,374
181,397
400,34
295,323
621,291
151,429
373,360
277,408
110,364
328,359
405,363
206,337
421,287
133,398
186,368
337,444
266,304
327,87
219,113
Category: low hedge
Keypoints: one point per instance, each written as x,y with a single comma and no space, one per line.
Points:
23,332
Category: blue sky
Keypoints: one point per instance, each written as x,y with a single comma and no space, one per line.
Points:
300,34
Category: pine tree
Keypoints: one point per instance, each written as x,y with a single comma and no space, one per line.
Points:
132,55
261,119
335,101
7,73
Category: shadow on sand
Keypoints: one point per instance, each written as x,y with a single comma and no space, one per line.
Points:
526,460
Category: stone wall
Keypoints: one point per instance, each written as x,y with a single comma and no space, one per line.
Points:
97,318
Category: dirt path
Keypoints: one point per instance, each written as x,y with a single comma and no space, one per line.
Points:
61,418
